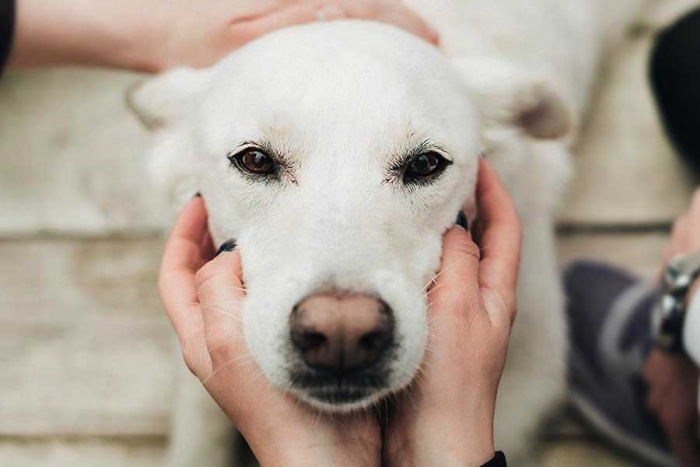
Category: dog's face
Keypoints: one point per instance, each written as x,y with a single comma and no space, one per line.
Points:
336,155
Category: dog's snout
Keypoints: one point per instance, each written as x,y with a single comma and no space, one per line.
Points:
341,332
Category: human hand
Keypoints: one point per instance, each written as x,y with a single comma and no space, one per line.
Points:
447,416
685,236
202,297
199,38
673,379
672,399
158,34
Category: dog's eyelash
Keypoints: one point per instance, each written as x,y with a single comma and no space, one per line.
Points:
399,166
283,168
399,163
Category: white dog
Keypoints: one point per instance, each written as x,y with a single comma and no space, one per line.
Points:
337,154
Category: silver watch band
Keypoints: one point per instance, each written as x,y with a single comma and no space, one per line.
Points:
669,317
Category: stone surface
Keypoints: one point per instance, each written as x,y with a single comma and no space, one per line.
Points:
84,345
72,156
82,453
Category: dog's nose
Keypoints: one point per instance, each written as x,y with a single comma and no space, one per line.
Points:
341,332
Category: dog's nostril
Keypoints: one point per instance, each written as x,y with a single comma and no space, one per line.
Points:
308,340
374,340
341,332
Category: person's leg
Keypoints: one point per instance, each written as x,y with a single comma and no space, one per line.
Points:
675,82
609,313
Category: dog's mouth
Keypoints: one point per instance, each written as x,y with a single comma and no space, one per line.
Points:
339,391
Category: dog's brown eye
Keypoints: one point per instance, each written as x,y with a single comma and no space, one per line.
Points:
256,162
425,166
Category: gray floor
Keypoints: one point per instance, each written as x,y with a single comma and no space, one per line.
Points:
85,349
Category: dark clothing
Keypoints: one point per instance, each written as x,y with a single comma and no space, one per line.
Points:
7,29
499,460
675,80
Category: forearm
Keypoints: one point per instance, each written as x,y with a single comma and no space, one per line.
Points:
82,32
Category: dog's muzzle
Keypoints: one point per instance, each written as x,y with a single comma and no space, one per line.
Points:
343,341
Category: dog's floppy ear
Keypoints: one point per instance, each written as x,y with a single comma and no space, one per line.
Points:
508,96
165,104
161,100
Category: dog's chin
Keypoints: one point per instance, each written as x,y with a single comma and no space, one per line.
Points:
329,392
341,400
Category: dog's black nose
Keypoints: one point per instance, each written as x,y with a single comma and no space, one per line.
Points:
341,332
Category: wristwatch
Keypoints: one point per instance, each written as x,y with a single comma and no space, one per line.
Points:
669,316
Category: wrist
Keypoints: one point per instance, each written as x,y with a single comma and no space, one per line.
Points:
445,439
316,443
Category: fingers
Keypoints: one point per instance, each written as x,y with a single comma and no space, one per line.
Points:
456,286
250,28
221,293
500,242
391,12
295,13
181,259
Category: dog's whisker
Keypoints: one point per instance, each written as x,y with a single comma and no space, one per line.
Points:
240,359
226,302
218,310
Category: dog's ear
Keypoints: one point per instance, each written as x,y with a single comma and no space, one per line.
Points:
166,98
164,104
508,96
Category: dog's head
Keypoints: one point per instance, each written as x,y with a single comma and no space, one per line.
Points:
336,155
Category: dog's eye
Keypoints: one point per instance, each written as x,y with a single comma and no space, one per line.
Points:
254,161
425,166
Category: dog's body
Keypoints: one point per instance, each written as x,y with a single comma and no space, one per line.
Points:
528,66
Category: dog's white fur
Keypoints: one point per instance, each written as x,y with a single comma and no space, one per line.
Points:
339,101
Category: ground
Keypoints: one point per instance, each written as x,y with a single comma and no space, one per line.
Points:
86,351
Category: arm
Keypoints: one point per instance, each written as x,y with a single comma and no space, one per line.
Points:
154,35
673,379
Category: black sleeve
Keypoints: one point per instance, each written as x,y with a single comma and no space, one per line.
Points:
7,29
499,460
675,81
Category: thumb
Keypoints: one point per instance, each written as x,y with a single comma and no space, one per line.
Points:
221,293
456,286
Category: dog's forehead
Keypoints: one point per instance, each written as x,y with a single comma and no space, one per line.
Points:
339,79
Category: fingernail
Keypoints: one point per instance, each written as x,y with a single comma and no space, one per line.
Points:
197,195
462,220
228,245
